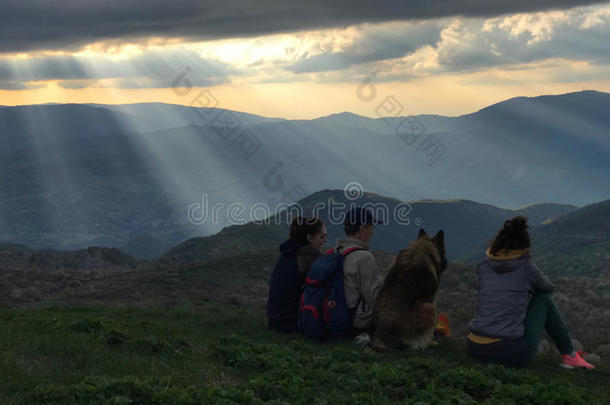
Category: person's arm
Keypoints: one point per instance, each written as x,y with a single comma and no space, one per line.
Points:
370,280
540,282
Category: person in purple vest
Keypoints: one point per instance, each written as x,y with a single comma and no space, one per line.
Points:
514,306
306,238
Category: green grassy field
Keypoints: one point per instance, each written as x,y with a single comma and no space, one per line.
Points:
224,354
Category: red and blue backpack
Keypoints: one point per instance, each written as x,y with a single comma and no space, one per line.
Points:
323,310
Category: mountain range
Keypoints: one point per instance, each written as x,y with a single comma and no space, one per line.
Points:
77,175
565,239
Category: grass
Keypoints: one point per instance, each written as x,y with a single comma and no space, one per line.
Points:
224,354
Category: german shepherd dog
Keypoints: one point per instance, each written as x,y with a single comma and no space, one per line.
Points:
405,311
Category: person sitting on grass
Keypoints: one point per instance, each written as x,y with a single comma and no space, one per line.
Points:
306,238
514,306
362,278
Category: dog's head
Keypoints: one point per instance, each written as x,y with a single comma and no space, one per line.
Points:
438,241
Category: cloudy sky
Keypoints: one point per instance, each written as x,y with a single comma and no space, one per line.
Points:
298,59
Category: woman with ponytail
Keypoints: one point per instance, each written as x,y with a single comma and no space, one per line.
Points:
305,240
514,306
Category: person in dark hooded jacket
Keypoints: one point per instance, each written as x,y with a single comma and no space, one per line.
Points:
514,306
303,247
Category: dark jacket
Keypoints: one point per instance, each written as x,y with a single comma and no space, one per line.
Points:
505,289
286,284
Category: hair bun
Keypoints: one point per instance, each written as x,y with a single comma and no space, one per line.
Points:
518,224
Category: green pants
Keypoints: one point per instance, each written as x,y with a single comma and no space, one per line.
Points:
543,315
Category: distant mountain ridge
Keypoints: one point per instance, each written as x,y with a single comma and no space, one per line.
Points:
467,224
592,221
577,242
538,213
80,175
145,247
18,258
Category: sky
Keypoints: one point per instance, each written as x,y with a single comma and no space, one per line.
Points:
296,59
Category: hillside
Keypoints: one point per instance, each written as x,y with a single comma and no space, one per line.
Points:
467,224
555,111
232,240
5,245
590,223
577,243
81,175
540,212
218,354
243,279
196,334
145,246
22,259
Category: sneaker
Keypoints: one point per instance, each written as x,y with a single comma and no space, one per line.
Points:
577,361
362,339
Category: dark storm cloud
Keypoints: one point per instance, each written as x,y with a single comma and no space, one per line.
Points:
15,85
373,44
70,24
151,69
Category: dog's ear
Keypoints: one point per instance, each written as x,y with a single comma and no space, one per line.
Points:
422,233
440,238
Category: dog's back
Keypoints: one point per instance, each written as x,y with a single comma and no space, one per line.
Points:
405,312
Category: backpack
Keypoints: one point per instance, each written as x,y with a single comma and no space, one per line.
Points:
323,310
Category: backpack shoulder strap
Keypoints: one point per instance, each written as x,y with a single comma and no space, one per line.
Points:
350,250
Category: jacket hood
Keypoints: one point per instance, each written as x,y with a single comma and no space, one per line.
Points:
505,261
291,246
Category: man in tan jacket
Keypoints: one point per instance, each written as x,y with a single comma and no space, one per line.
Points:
362,278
